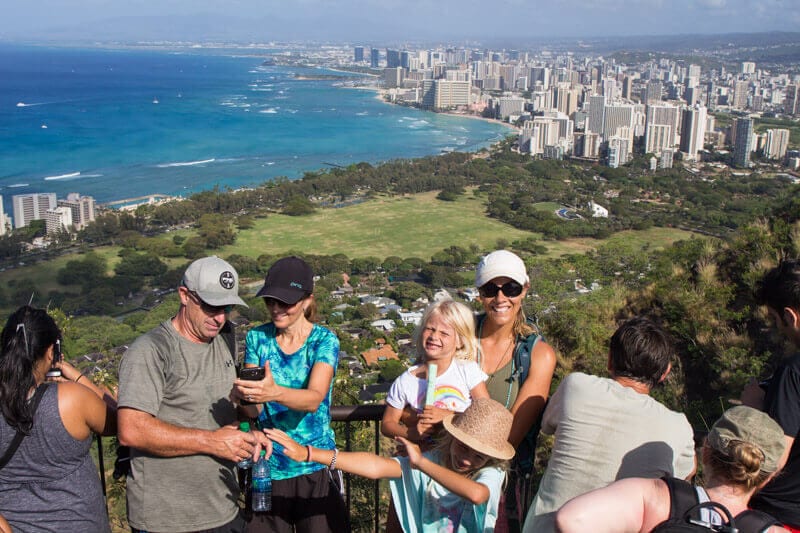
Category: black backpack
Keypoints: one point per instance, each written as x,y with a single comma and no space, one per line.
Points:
685,507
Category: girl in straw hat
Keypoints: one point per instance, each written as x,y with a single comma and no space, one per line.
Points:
453,487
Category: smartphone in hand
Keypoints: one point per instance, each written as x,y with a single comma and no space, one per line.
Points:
54,371
254,373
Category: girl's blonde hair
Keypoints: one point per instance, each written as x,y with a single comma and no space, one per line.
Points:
460,318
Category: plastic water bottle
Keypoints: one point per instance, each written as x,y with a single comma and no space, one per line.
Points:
246,463
261,485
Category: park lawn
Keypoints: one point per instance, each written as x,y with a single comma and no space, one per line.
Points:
405,226
549,207
653,239
43,273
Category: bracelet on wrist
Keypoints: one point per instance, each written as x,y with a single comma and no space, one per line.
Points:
308,456
333,459
78,378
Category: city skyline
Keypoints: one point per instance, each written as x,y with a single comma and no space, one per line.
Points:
375,21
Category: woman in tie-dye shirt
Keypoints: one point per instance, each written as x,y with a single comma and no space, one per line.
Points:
299,359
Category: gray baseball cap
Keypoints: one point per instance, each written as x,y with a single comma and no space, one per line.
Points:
214,280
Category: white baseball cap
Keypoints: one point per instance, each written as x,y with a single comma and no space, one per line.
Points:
501,264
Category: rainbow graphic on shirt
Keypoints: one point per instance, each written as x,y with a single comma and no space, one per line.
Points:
448,397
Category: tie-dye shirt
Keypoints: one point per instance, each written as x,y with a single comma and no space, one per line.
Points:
293,371
452,390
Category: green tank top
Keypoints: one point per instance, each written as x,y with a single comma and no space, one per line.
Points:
501,387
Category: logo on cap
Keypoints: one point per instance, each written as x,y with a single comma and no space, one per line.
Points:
296,285
227,280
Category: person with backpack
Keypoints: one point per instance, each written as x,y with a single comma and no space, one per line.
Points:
519,366
741,454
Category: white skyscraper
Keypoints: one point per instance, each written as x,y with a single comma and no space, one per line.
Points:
661,127
693,131
776,144
28,207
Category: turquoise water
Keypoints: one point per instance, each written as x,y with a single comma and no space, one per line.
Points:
119,124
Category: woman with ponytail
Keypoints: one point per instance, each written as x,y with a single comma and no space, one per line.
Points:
48,481
742,452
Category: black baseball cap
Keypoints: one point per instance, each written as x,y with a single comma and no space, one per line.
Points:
288,280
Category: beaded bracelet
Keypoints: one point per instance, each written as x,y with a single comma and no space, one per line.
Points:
333,459
308,457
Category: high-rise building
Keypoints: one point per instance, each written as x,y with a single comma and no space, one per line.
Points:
5,222
57,220
597,107
616,117
445,94
776,144
405,59
740,91
619,151
82,207
748,67
627,87
358,54
652,93
693,131
28,207
374,57
662,122
791,106
743,142
392,58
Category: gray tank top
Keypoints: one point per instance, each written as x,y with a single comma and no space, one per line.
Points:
51,484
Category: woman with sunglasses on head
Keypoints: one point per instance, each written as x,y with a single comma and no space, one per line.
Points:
48,481
520,367
299,359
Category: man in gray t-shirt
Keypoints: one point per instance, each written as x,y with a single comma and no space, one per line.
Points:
175,414
610,428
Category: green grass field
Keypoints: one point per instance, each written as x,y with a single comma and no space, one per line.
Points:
405,226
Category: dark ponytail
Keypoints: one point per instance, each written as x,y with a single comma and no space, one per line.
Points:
24,341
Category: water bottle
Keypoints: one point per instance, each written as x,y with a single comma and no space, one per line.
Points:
247,462
261,485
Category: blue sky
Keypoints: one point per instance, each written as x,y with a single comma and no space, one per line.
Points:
384,20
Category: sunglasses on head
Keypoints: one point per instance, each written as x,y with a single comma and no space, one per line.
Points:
208,308
509,288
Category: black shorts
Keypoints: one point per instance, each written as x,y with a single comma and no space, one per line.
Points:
311,503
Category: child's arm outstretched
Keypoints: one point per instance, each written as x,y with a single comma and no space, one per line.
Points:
362,464
460,485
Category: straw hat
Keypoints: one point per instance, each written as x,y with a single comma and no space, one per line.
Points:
484,427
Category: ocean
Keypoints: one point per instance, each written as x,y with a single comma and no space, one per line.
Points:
117,124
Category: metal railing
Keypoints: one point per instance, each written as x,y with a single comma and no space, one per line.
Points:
348,414
344,414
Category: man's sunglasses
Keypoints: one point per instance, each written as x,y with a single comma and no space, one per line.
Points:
208,308
509,288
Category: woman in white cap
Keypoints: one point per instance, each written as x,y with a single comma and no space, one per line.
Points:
520,367
299,359
743,451
454,487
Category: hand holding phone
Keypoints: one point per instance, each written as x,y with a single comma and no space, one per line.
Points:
55,371
253,373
